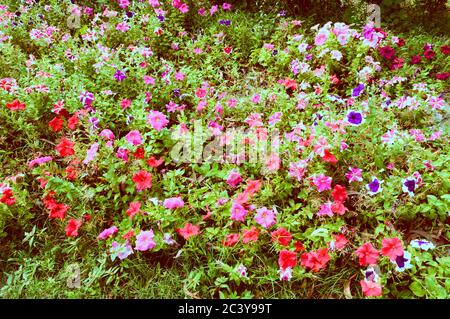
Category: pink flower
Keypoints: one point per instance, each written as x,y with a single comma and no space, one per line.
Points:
367,254
392,247
107,134
273,162
370,288
234,178
108,232
189,230
174,202
226,6
275,118
122,153
254,119
238,212
179,76
354,175
322,182
91,153
157,120
256,98
134,137
321,38
145,241
265,217
201,93
122,27
213,9
297,170
149,80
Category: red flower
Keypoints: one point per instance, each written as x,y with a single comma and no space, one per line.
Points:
415,59
56,124
282,236
338,208
252,187
299,246
71,172
188,231
73,121
129,234
65,147
133,209
231,240
7,197
15,105
250,235
397,63
340,241
392,247
315,260
143,180
445,49
153,162
287,259
328,157
367,254
58,210
72,227
429,54
139,153
387,52
370,288
339,193
401,42
228,50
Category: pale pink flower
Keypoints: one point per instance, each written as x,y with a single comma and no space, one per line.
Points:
265,217
145,241
273,162
122,27
254,119
149,80
107,233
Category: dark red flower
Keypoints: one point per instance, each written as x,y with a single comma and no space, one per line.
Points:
228,50
429,54
401,42
387,52
445,49
443,76
415,59
299,247
139,153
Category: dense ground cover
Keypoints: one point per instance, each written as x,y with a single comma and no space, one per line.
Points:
171,149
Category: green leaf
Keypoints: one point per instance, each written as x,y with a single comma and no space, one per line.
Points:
417,289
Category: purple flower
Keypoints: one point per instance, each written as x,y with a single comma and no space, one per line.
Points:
91,153
409,185
120,76
94,122
87,98
358,90
225,22
354,118
374,186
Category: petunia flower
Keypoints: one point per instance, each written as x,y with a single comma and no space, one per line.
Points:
265,217
374,186
143,180
188,231
367,254
157,120
173,203
145,240
392,248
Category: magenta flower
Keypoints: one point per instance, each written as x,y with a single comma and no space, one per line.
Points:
322,182
325,210
157,120
234,178
238,212
122,27
107,233
39,161
134,137
107,134
173,203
